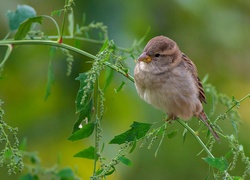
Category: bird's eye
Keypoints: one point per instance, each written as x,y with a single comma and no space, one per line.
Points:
157,55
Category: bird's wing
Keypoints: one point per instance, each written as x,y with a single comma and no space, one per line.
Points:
190,66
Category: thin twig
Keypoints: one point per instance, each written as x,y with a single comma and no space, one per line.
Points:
196,137
237,102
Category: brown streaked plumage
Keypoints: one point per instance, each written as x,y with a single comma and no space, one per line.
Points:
167,79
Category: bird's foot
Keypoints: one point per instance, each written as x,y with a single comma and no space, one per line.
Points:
171,118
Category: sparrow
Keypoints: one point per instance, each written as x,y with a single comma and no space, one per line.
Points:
167,79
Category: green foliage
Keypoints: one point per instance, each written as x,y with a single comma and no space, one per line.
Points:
137,131
10,153
85,93
88,153
50,80
125,161
120,87
37,171
219,163
22,13
90,106
66,174
25,26
84,132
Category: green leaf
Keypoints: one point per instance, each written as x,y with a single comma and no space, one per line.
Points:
57,12
125,161
84,132
84,113
229,154
104,46
204,80
8,154
88,153
71,24
99,171
26,177
172,134
50,80
66,174
23,144
120,87
132,56
137,131
184,135
103,145
34,159
235,127
109,74
6,56
24,28
22,13
133,147
111,171
219,163
87,91
237,178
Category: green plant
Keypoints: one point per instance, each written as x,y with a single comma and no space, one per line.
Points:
91,95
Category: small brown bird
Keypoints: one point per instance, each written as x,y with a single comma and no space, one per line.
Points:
167,79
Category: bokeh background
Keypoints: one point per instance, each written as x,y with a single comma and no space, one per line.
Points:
214,34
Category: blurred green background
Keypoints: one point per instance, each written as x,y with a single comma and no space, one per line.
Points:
214,34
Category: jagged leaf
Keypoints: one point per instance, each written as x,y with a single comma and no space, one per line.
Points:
84,113
25,26
137,131
82,133
88,153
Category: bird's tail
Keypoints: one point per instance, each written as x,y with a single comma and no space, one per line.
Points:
203,117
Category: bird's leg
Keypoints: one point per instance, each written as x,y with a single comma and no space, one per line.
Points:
171,118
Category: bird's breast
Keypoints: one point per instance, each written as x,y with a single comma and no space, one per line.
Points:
172,92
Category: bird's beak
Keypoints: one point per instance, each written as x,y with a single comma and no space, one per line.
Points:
145,58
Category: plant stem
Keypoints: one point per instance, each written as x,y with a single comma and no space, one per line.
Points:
237,102
196,137
7,54
49,43
63,23
57,27
96,146
96,126
65,46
